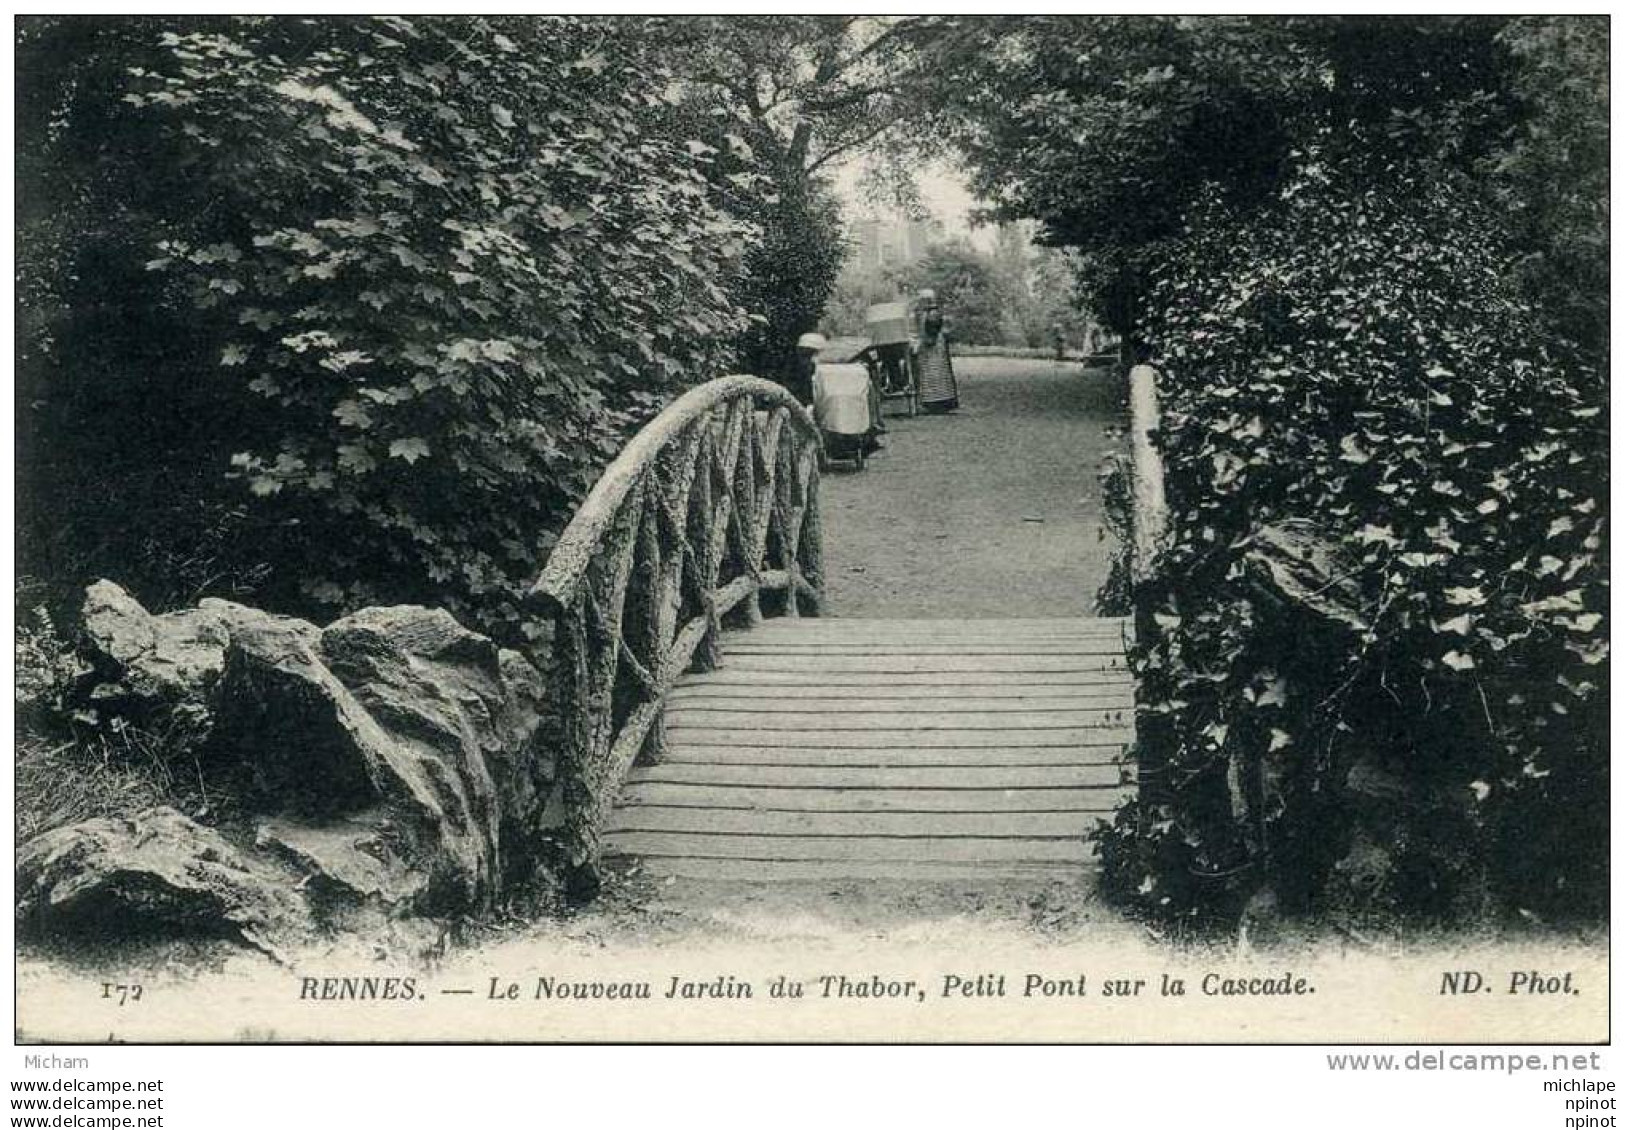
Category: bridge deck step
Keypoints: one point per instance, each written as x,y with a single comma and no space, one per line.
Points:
890,776
931,700
1103,645
874,716
954,750
736,676
894,629
904,737
870,849
1098,799
895,757
774,824
904,871
811,663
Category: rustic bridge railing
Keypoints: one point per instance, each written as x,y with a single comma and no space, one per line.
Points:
709,516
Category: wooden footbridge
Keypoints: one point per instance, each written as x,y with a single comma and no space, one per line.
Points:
716,726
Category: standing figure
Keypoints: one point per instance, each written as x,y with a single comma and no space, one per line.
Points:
800,381
933,359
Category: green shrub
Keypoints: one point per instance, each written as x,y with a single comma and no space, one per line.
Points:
790,276
350,311
1358,361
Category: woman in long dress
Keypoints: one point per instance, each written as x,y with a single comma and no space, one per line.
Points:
933,359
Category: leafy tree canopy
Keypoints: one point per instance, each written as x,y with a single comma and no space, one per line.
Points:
1107,130
782,100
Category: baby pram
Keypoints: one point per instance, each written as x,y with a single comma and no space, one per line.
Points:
847,411
888,355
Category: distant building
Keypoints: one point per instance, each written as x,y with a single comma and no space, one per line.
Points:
883,244
879,248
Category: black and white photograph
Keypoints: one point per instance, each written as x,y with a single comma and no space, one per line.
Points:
812,528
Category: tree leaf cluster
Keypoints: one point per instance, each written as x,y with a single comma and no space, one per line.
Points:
394,289
1358,364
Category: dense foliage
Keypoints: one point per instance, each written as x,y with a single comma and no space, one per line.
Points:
1550,176
368,301
790,275
1107,129
1357,366
1331,237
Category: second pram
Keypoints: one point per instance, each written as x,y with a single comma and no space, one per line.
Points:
889,354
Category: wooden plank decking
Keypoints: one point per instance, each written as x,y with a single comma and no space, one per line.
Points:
931,749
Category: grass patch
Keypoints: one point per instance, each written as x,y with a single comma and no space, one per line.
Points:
66,780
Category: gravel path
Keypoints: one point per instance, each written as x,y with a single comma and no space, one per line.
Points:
990,511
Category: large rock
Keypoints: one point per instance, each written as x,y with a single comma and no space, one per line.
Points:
169,657
298,741
161,671
110,879
150,659
392,759
347,862
309,749
452,697
1295,567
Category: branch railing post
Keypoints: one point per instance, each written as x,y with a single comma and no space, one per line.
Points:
1149,529
712,502
1150,498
